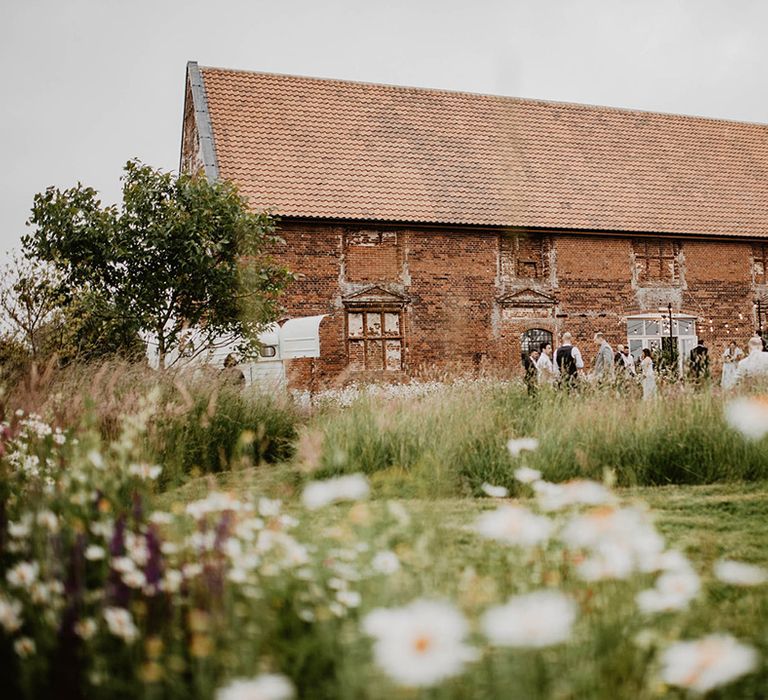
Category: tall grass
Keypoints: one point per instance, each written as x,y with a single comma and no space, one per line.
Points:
451,443
222,427
199,422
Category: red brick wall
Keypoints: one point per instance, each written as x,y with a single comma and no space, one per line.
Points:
719,281
372,255
453,281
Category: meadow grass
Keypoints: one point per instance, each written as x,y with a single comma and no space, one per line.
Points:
452,442
267,597
613,648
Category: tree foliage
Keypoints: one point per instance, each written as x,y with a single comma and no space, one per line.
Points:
30,303
179,253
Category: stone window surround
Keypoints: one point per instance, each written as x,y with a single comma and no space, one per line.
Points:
657,262
380,326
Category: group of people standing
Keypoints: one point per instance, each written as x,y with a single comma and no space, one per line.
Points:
564,367
737,367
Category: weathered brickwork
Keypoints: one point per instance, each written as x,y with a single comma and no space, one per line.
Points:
191,157
458,300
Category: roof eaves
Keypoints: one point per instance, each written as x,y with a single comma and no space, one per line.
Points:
203,121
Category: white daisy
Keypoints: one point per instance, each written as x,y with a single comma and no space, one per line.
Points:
706,663
267,686
674,590
145,471
23,575
10,614
578,492
24,647
420,644
120,623
94,552
537,619
739,573
318,494
385,562
617,541
85,628
526,475
494,491
748,415
514,525
518,445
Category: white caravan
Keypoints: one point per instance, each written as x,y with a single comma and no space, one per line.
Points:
295,338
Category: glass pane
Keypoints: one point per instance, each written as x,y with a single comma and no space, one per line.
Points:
268,351
373,321
635,348
634,328
356,355
651,327
394,355
355,323
392,324
374,356
685,328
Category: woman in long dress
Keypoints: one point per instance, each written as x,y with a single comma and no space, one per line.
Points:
649,376
731,358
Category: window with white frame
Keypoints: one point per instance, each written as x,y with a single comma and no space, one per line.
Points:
653,331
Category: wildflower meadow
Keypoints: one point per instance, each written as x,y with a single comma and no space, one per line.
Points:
166,536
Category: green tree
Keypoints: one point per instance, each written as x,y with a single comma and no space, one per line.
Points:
179,253
30,304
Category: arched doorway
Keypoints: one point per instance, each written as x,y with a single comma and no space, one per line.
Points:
533,338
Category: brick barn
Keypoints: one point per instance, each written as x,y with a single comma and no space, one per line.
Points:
454,231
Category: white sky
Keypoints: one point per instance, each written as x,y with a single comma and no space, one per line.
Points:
88,84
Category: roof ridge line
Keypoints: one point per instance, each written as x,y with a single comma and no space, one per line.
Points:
503,98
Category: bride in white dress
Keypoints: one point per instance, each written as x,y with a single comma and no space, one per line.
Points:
731,358
649,376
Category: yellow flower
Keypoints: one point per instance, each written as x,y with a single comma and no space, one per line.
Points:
151,672
200,646
154,647
198,620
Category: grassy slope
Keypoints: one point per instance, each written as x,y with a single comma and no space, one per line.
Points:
707,522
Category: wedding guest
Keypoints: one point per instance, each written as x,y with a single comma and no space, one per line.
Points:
756,363
648,375
544,366
568,362
731,358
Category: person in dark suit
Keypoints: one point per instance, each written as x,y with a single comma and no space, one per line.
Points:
699,362
529,367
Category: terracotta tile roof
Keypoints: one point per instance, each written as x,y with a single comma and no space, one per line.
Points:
311,147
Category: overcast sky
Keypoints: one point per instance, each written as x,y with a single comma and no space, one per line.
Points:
88,84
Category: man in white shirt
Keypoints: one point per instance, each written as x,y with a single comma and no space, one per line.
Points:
544,366
756,363
568,361
629,361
